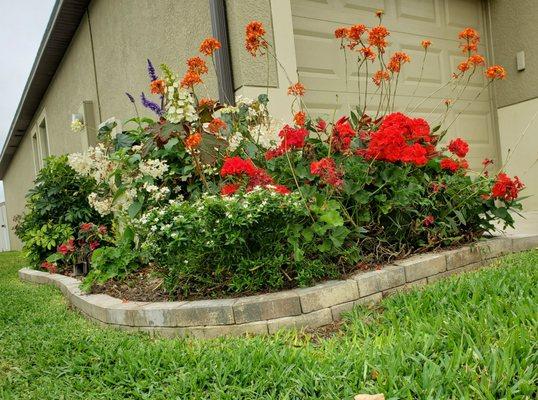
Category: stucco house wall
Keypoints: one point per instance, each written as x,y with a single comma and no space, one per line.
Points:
514,28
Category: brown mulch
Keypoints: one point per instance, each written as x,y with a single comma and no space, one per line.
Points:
139,286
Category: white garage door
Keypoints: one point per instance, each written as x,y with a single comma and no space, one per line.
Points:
321,65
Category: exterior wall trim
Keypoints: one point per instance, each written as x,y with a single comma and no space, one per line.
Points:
311,307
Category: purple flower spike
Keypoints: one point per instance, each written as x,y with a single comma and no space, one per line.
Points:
151,105
131,98
151,71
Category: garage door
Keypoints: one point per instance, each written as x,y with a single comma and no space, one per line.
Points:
321,65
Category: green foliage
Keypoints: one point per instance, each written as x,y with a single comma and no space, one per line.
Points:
469,337
111,262
240,244
59,197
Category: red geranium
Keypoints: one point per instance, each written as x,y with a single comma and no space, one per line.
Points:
292,138
458,147
342,135
449,164
326,170
86,227
429,220
506,188
229,189
51,267
281,189
400,138
237,166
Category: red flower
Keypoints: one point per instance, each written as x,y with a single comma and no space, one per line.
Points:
94,244
486,162
236,166
292,138
449,164
326,170
102,230
281,189
51,267
342,135
229,189
67,247
400,138
458,147
86,227
321,125
506,188
429,220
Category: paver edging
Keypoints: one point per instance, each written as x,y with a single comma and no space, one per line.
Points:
266,313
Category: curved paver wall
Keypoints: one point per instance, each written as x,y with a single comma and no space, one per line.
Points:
309,307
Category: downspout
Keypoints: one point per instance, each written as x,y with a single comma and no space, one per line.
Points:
223,61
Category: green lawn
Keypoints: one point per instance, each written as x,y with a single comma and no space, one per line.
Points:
471,337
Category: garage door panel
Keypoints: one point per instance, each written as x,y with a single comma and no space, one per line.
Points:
332,88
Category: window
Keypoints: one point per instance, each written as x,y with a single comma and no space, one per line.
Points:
40,144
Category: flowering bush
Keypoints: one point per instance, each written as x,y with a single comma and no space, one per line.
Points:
223,198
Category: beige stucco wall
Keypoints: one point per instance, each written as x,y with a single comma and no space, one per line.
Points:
248,70
127,32
518,126
514,28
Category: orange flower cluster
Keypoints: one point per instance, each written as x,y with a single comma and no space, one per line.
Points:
216,125
299,118
254,38
476,59
426,43
297,89
206,102
471,38
157,86
196,64
377,37
396,61
209,46
380,76
368,53
193,141
354,35
190,79
496,72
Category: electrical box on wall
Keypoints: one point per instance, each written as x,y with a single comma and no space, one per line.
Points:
520,60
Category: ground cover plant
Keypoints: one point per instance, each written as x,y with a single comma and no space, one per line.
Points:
217,199
469,337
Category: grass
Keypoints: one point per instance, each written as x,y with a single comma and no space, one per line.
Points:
470,337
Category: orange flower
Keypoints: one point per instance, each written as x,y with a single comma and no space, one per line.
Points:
367,53
206,102
193,141
341,33
426,43
296,89
396,61
464,66
209,46
496,72
197,65
377,37
356,31
476,59
216,125
190,79
157,86
379,76
447,102
299,118
469,34
254,32
379,13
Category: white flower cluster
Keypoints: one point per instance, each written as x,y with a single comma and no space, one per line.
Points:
102,206
156,193
266,134
77,126
180,106
94,163
154,168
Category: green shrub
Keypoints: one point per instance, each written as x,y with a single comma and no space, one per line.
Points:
55,207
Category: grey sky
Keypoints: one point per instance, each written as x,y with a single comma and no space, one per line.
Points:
22,24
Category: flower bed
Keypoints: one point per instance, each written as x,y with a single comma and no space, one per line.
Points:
214,200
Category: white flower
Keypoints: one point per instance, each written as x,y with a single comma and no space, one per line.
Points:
234,141
77,126
154,168
102,206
